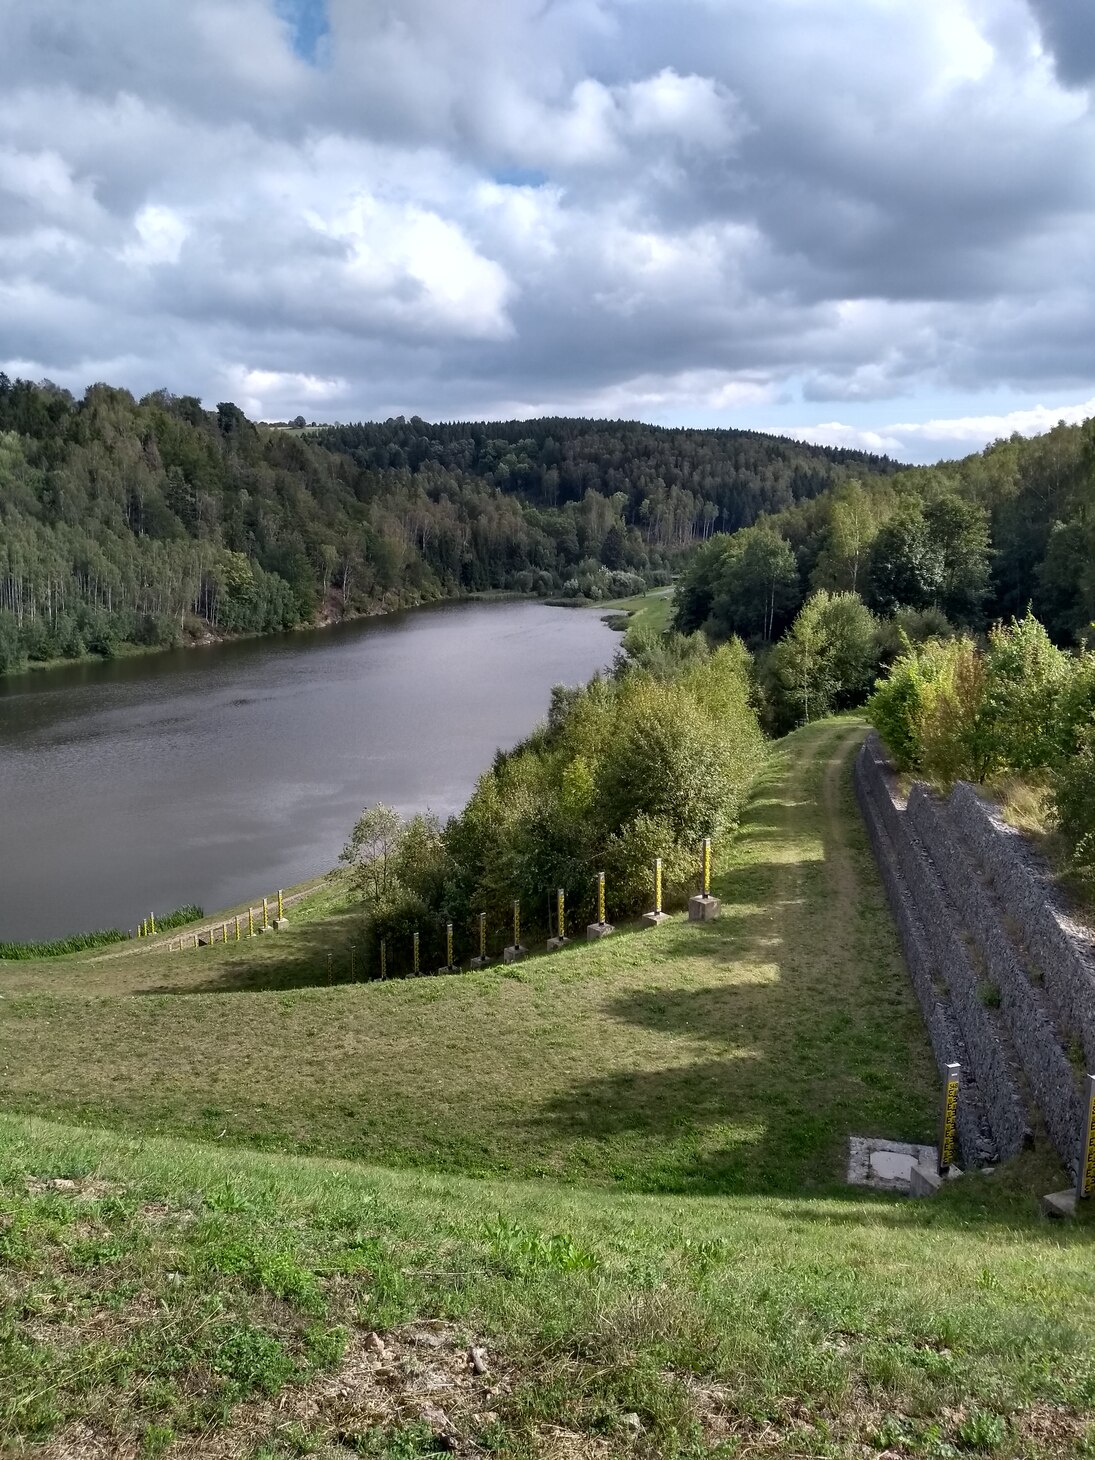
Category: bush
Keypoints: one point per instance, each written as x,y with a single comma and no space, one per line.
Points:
1072,787
627,769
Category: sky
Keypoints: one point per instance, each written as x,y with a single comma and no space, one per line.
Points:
860,222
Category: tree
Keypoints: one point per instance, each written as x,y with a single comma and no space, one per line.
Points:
757,587
827,660
370,855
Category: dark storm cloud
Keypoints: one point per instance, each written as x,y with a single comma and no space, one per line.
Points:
465,206
1068,29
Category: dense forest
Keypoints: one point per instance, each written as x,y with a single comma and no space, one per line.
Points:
155,521
968,543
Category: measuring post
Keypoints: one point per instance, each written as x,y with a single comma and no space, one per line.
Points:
152,923
1085,1186
515,950
383,958
353,962
265,915
601,928
480,960
657,917
237,927
560,920
250,922
703,907
450,966
224,932
948,1128
416,952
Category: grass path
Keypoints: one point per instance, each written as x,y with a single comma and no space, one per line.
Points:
731,1056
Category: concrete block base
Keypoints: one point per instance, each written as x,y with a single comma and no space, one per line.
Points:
280,923
480,962
268,929
554,943
449,968
924,1180
654,920
598,930
703,909
514,952
1060,1204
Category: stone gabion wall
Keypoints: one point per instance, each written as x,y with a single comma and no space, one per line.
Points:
1023,1008
884,821
977,914
1061,953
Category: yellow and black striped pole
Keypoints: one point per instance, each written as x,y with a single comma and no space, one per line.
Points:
707,866
517,925
448,945
483,937
265,914
601,898
416,951
1085,1186
152,923
224,932
250,922
948,1129
383,958
560,914
281,906
237,927
658,886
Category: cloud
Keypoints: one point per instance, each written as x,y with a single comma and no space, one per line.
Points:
933,438
726,211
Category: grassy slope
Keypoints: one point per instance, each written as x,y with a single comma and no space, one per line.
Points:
652,610
168,1297
732,1056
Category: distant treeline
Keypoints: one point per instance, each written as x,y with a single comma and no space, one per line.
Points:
149,522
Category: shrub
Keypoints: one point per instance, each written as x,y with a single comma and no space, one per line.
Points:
1072,785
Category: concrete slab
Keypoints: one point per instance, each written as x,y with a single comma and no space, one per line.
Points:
514,952
883,1165
554,943
655,920
598,930
480,962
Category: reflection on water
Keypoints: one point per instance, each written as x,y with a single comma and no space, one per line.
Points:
215,775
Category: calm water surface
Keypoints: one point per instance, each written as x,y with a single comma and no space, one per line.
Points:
220,774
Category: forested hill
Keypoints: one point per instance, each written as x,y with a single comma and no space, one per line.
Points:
679,484
958,545
153,521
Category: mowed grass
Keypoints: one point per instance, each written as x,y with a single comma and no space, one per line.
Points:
699,1283
651,610
164,1298
728,1057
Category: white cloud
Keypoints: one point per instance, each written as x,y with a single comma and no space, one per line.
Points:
161,234
681,210
942,436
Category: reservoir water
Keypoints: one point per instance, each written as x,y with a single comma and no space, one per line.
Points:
216,775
